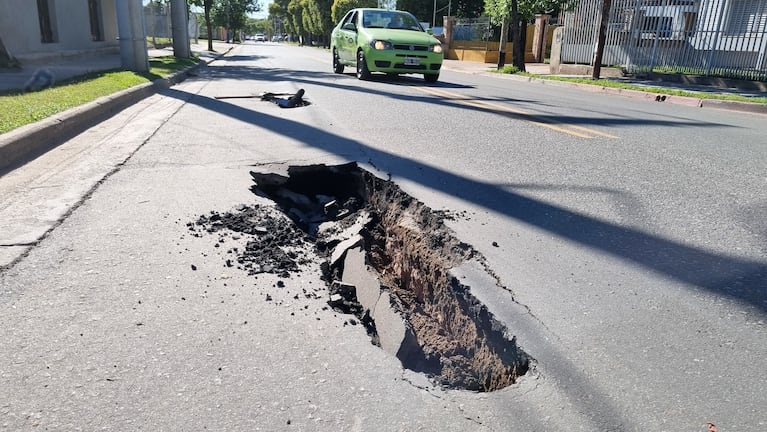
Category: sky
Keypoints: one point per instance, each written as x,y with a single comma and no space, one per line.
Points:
264,12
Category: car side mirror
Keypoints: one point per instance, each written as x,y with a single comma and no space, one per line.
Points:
350,26
430,31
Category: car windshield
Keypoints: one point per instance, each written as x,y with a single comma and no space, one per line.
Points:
391,20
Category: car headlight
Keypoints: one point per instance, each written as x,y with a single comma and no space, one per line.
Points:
436,48
381,45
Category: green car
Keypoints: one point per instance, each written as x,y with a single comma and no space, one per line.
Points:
389,41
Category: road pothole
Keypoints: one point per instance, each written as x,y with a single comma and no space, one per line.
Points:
387,260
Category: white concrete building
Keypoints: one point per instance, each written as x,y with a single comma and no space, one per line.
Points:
42,30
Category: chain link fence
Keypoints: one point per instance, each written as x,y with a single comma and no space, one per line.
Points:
159,30
473,33
157,21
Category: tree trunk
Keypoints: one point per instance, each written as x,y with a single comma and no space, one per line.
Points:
209,24
502,44
601,36
518,40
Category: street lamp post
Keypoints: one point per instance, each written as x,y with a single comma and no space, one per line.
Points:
434,16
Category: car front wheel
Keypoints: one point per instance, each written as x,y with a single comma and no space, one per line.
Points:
430,78
338,67
362,67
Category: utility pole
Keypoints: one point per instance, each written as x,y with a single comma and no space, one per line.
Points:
132,36
180,24
434,16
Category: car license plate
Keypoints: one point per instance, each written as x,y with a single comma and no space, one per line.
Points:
412,61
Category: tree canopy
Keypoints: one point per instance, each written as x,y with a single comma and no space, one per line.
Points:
317,17
424,10
500,10
230,14
233,14
517,13
340,7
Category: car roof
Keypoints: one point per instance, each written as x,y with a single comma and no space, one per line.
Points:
379,10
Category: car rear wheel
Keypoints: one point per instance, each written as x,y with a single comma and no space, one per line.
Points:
362,67
430,78
338,67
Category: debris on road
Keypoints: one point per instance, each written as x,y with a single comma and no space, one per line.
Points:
295,100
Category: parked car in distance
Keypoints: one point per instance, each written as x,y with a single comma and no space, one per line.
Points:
260,37
389,41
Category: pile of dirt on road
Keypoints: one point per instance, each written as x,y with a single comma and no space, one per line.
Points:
273,243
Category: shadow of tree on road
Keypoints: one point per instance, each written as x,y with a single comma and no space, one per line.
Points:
736,278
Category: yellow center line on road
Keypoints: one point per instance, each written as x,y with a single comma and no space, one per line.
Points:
317,59
459,97
570,129
594,131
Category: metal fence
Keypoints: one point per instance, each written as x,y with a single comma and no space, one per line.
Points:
159,30
157,22
726,38
473,33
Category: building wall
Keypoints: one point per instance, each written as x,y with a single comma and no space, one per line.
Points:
70,19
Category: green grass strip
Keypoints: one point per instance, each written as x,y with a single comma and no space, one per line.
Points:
651,89
19,109
628,86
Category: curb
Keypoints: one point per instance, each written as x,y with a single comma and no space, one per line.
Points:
734,106
27,142
746,107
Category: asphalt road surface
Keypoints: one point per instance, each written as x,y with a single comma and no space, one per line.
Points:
629,237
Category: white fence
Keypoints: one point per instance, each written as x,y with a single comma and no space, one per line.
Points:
725,38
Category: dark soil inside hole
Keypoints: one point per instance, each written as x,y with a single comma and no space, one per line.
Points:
450,336
462,344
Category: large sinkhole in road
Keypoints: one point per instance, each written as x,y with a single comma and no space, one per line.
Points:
387,258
